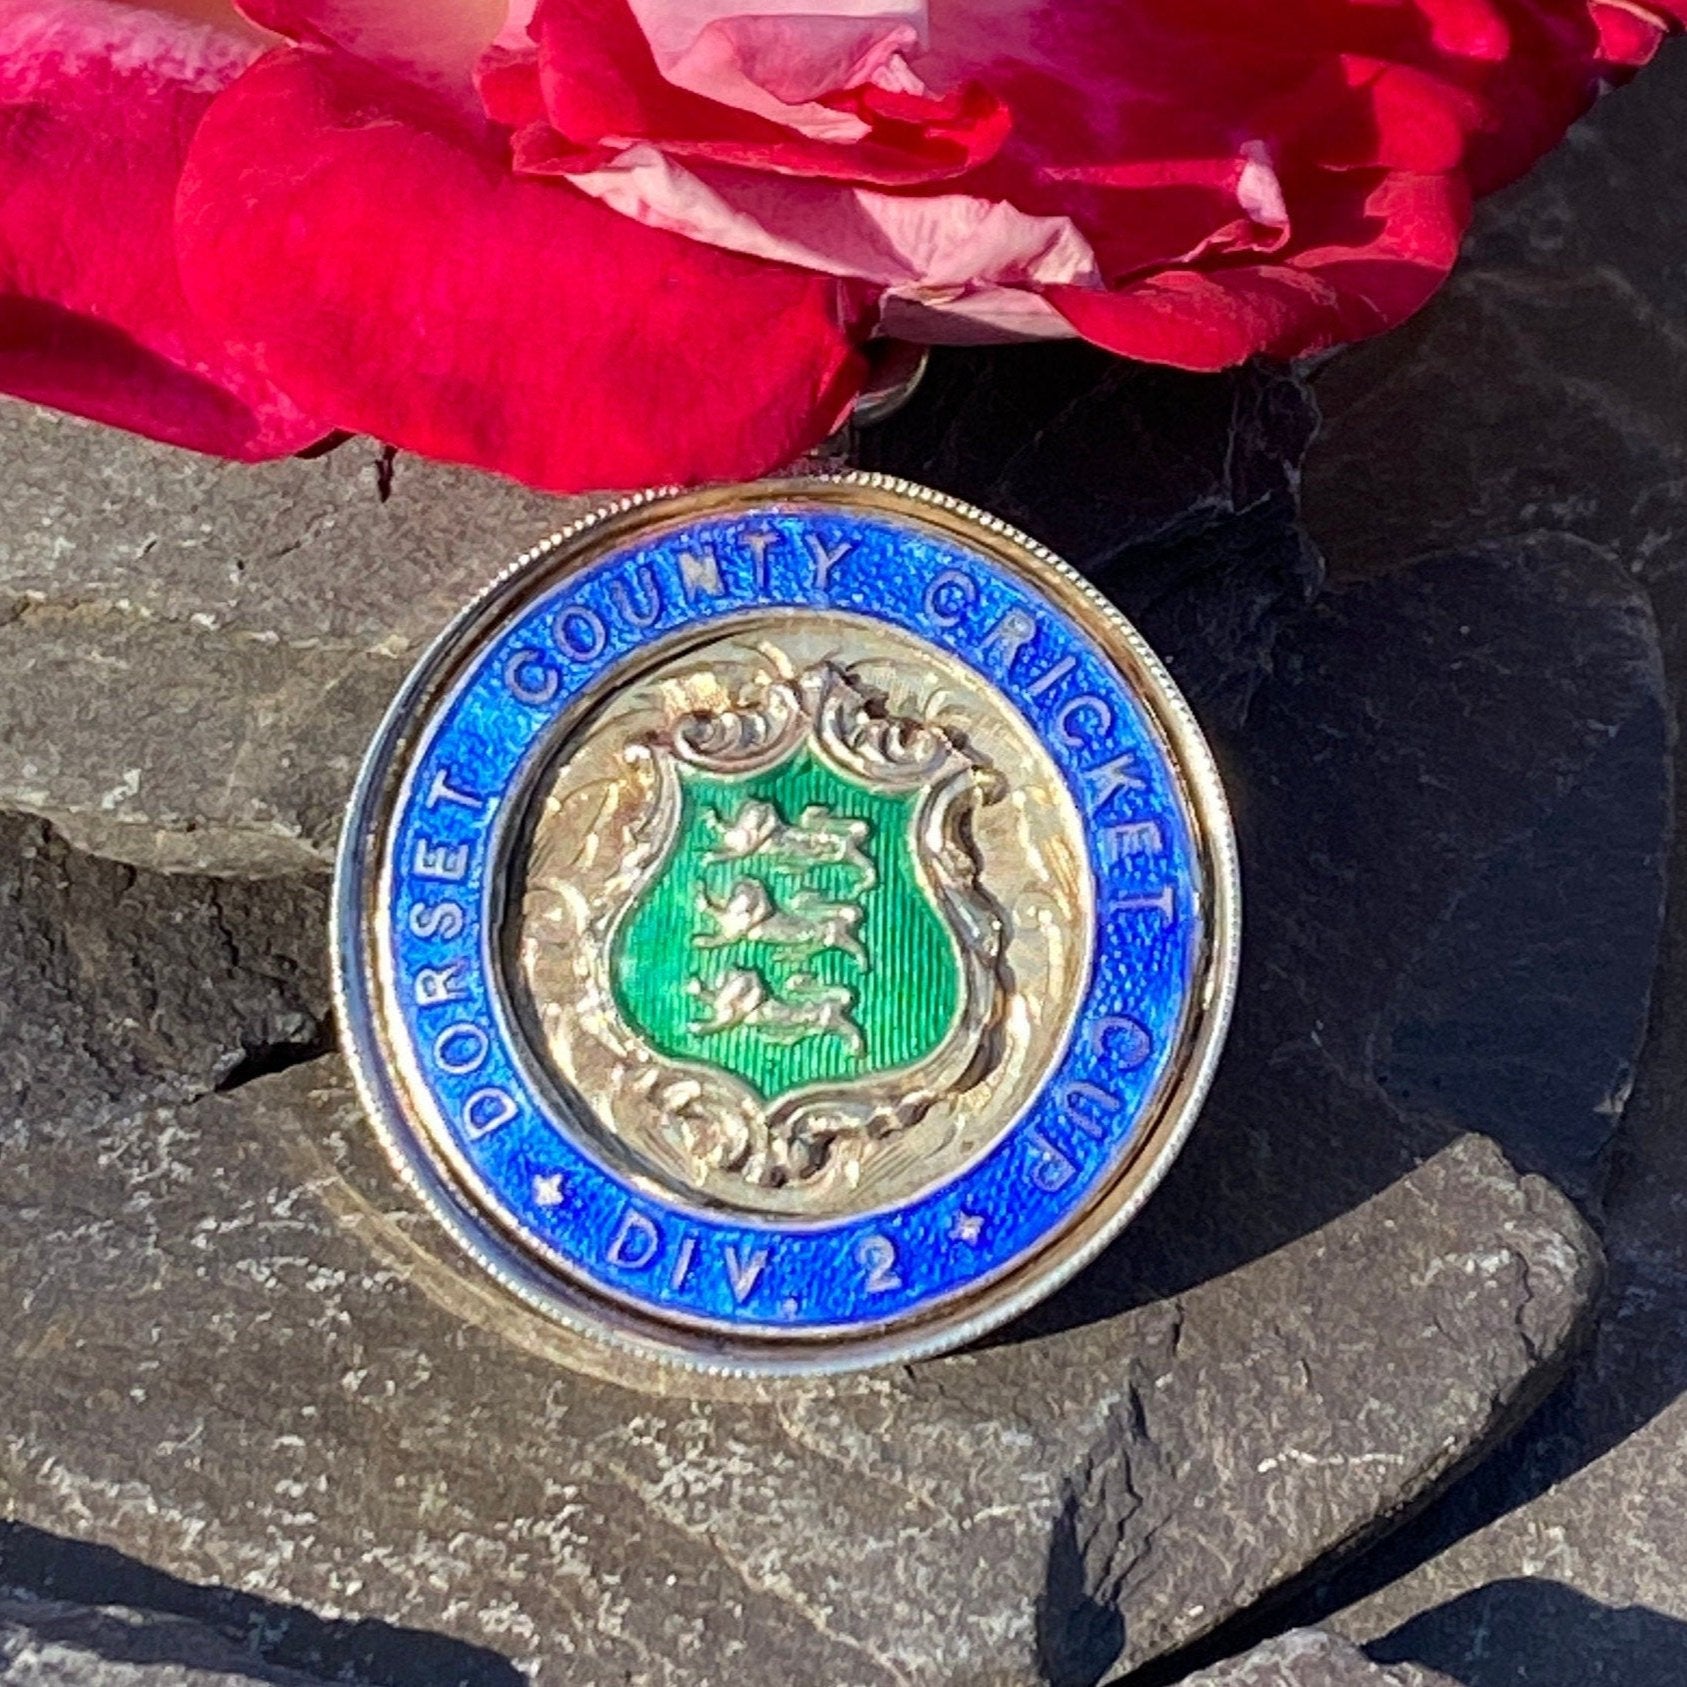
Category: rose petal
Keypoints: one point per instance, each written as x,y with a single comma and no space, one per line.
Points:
1563,52
780,60
1630,32
1195,162
97,105
601,85
376,258
1366,265
919,241
433,42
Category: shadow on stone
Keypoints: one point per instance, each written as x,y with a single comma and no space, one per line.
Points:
267,1059
277,1635
1175,493
1452,794
1079,1638
1545,1634
1636,1366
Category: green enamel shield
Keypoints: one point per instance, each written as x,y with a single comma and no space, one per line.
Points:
787,937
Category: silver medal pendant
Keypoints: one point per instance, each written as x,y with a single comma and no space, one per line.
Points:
786,928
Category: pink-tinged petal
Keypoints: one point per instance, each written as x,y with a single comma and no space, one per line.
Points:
974,316
222,17
98,103
1147,134
1492,83
518,24
376,258
507,80
782,58
602,86
924,241
1368,264
1239,178
433,42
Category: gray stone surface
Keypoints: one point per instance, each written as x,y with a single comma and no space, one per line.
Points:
243,1361
1338,1298
193,654
1176,493
1546,389
1541,1628
1564,1562
46,1643
1306,1331
1452,795
121,988
1308,1658
118,986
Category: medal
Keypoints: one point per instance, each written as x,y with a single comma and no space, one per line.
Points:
786,928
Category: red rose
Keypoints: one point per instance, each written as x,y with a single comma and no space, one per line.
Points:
598,243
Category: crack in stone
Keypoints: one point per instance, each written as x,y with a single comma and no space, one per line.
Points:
33,606
817,1446
786,1595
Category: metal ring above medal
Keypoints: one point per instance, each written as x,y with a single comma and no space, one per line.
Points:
786,928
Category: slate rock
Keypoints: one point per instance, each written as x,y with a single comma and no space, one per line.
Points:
1540,1629
1307,1658
244,1361
1559,1564
1453,803
1546,389
193,655
118,985
1337,1299
1462,791
45,1643
1175,493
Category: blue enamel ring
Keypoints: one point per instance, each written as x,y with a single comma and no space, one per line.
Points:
785,928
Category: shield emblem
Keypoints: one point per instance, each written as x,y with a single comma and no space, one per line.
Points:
787,936
798,953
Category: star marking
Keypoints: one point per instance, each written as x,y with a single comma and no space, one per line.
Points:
790,1306
548,1191
967,1227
